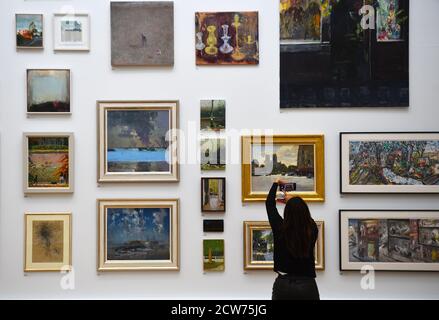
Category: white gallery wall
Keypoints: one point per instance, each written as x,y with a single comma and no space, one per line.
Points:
252,95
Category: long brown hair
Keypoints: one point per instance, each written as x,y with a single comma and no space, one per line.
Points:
298,228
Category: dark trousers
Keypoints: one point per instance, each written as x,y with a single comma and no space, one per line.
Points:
295,288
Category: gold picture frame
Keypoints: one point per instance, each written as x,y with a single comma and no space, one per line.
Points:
250,264
318,169
122,254
32,181
131,175
46,256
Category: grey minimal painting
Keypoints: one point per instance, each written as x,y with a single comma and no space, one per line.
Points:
142,33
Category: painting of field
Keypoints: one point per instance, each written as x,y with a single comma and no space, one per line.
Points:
138,234
47,241
48,162
213,252
48,91
136,141
293,163
395,162
213,115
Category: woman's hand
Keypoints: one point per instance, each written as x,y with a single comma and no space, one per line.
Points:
280,181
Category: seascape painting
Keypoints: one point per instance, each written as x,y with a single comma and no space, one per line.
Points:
293,163
213,255
138,234
226,38
47,241
213,194
142,33
213,154
390,162
29,30
136,141
329,59
213,115
48,162
48,91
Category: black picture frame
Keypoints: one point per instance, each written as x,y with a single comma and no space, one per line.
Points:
213,225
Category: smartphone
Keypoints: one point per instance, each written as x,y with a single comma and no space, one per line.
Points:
284,188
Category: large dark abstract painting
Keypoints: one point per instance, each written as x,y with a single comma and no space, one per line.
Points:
344,53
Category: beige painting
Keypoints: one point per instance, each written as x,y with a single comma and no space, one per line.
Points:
47,241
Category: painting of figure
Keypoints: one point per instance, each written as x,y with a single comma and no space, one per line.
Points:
213,154
334,56
213,194
213,115
48,91
213,255
136,141
142,33
226,38
48,162
138,234
29,30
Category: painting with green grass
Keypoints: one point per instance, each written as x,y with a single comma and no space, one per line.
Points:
213,252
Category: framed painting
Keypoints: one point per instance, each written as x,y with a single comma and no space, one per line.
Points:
389,240
138,235
213,255
213,194
213,115
213,153
226,38
48,91
297,159
259,246
330,58
389,162
137,141
29,31
142,33
71,32
48,242
213,225
48,162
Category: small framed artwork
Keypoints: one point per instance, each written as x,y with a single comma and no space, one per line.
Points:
213,225
259,246
389,240
213,255
71,32
138,235
29,31
226,38
297,159
137,141
392,162
213,153
48,242
48,162
48,91
213,194
212,115
142,33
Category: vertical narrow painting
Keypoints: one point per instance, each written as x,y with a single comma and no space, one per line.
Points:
213,194
259,246
213,115
71,32
137,142
297,160
213,255
142,33
29,31
213,154
48,164
48,91
226,38
138,234
48,245
390,162
329,58
390,240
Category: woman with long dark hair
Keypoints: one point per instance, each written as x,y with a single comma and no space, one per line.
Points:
294,236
